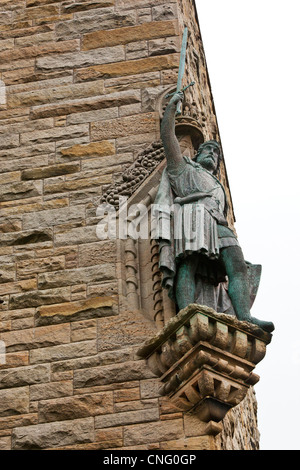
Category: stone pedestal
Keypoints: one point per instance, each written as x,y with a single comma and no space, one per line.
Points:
205,361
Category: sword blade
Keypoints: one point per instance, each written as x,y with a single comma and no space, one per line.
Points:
182,59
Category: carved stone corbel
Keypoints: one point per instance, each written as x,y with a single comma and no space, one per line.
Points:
205,361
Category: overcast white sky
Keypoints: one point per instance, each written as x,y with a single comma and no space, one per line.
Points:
252,53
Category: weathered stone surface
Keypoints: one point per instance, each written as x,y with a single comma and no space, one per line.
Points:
133,81
109,438
35,39
164,46
37,12
128,328
165,11
103,272
80,105
80,309
22,323
102,359
15,359
35,204
39,137
11,226
36,337
136,50
20,190
50,171
26,152
10,422
83,330
25,125
6,44
78,26
14,401
8,141
76,185
127,371
126,418
240,426
26,237
97,253
127,4
7,272
27,78
107,161
94,149
132,67
18,314
156,29
27,268
37,51
63,352
80,59
86,5
48,218
153,432
51,390
126,395
21,376
5,443
77,235
95,115
46,95
9,177
18,286
124,126
190,444
40,297
80,406
56,434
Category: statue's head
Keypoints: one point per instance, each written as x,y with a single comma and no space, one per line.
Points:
209,155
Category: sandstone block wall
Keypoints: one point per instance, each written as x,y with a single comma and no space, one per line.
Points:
81,79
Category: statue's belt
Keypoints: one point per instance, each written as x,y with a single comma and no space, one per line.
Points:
216,214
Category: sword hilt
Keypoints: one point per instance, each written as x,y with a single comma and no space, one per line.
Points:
178,106
182,90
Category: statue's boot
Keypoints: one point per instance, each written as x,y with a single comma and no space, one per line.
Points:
265,325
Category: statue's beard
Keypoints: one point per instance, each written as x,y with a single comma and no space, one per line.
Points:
207,163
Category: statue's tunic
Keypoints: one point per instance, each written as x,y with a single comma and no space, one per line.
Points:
201,225
197,227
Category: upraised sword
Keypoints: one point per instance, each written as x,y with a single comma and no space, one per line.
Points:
181,70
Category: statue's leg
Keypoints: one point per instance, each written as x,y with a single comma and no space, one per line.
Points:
238,285
185,281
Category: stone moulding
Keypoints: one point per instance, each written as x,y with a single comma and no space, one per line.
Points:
205,361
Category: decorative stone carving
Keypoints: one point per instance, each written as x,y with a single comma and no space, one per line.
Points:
205,361
135,174
131,272
138,260
156,284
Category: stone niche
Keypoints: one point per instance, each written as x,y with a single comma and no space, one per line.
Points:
205,362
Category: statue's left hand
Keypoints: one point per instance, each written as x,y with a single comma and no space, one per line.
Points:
177,200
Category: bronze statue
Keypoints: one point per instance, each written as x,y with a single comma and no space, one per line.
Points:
201,259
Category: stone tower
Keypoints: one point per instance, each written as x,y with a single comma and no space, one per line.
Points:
84,90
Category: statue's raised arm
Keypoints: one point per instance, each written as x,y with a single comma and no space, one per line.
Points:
168,136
